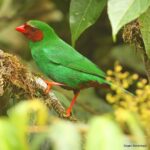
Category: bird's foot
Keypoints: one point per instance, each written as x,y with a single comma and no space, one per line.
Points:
69,117
68,112
50,84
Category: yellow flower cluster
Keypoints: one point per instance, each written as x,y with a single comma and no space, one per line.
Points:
121,99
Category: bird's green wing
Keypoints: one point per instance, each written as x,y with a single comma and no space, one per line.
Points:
65,55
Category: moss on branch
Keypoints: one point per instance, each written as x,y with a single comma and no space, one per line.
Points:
132,35
17,83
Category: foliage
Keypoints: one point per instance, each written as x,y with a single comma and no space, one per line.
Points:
14,134
99,134
125,11
29,126
123,120
145,30
82,15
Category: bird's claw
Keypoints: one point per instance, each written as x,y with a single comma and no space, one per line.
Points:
47,90
68,112
50,84
69,116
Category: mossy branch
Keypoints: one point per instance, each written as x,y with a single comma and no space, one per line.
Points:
19,83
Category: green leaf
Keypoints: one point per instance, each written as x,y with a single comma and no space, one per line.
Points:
9,137
104,134
65,136
84,13
121,12
145,30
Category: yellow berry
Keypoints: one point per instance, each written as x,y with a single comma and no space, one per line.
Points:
118,68
108,79
135,76
109,72
144,81
114,87
110,98
125,84
147,87
140,85
139,92
123,75
119,91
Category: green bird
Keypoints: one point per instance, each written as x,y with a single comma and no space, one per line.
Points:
59,61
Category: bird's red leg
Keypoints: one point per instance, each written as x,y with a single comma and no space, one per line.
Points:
50,84
68,111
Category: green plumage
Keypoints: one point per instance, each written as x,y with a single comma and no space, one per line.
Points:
62,63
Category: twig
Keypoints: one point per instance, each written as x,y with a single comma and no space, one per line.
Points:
52,100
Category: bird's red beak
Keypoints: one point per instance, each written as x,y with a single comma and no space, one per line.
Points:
21,28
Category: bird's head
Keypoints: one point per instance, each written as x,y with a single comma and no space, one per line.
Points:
36,30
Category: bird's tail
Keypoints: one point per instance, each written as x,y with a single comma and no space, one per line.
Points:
117,86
